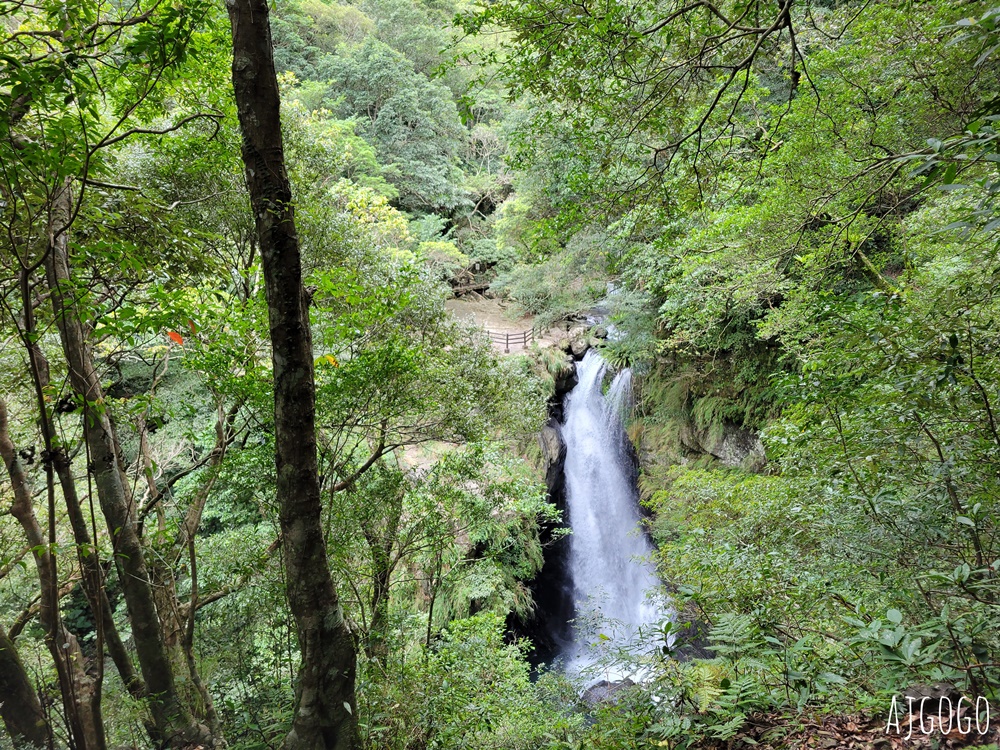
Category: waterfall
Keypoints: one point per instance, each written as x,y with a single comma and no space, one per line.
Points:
614,583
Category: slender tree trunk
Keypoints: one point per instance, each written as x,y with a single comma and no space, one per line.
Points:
93,577
90,566
377,643
176,618
174,723
324,716
20,710
80,692
380,547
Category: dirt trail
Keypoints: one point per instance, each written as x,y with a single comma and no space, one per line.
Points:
493,315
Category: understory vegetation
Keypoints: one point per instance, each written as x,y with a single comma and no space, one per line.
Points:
784,214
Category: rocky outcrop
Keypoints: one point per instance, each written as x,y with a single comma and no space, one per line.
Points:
579,343
605,692
690,635
578,339
563,372
553,458
548,627
731,444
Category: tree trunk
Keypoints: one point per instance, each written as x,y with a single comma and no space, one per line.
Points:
80,692
324,716
173,721
176,618
380,548
92,576
20,710
377,643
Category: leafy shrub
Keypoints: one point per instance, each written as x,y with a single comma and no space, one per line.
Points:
468,689
569,282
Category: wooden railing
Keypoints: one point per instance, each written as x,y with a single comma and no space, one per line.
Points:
519,338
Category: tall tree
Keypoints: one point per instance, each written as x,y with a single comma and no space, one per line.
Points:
324,716
59,127
173,720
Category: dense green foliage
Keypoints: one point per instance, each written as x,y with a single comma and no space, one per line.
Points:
788,210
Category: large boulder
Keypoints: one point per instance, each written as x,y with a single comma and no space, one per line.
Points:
579,342
561,341
605,692
690,635
731,444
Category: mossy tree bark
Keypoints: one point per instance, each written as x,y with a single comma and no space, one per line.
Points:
325,701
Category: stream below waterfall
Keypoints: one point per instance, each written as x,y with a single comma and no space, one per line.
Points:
613,582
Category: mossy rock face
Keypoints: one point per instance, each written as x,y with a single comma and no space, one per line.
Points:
563,371
553,449
730,444
691,635
605,691
555,368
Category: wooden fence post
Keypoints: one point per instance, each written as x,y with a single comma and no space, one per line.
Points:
507,338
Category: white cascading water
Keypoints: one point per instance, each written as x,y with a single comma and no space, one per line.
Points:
614,581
